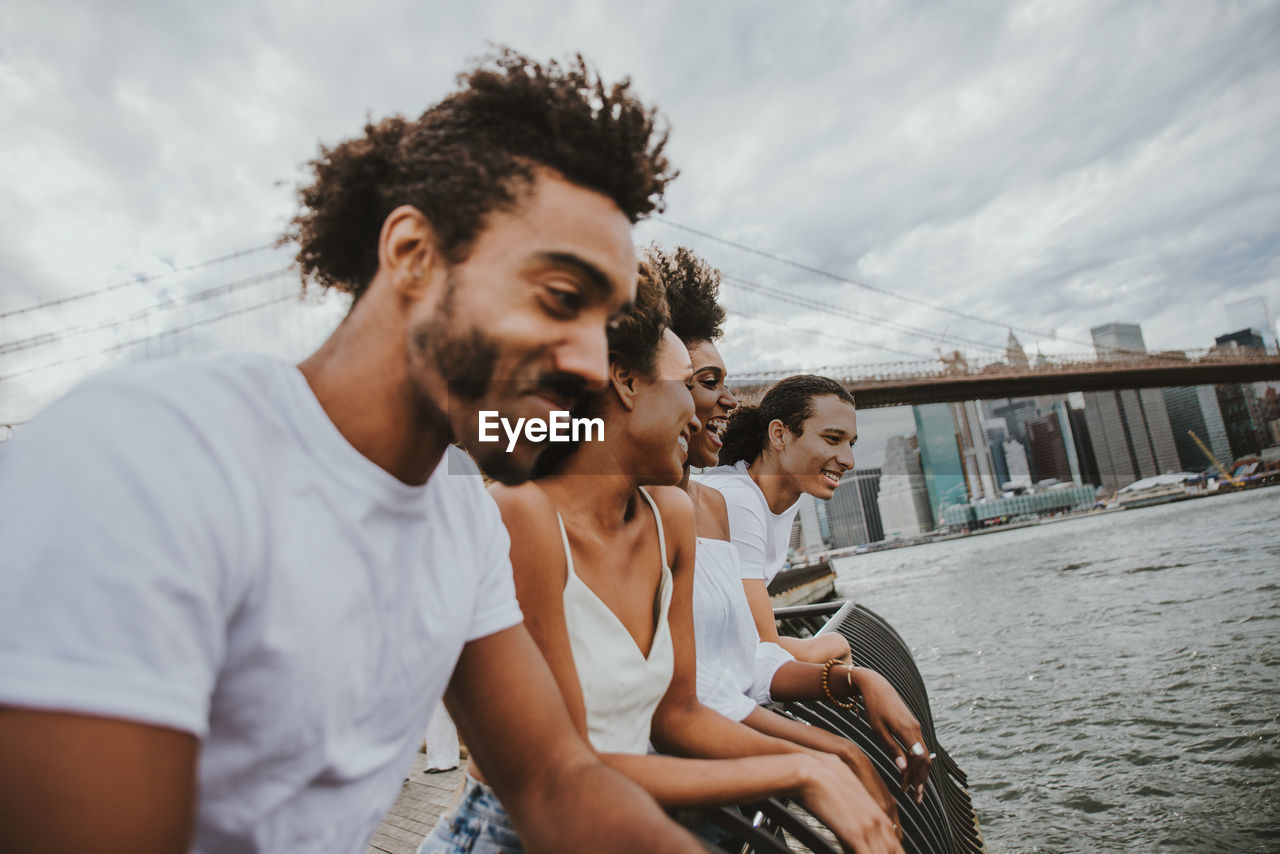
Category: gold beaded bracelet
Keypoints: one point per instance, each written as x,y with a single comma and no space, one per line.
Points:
826,685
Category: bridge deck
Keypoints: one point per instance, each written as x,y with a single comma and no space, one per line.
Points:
993,381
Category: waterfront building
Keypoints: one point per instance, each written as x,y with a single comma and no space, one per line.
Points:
903,499
940,456
1047,450
1195,408
854,509
1040,502
1015,457
1253,313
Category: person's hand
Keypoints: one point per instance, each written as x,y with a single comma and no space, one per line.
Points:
835,796
897,728
857,762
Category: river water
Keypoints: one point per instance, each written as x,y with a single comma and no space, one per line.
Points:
1108,683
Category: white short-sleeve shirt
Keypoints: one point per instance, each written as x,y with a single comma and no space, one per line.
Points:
735,668
760,535
194,545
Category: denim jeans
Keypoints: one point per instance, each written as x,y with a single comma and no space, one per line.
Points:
477,824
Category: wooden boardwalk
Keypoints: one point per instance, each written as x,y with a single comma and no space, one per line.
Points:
422,800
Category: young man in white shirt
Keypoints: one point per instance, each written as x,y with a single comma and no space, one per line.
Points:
232,590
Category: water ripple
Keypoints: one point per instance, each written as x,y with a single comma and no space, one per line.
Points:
1110,683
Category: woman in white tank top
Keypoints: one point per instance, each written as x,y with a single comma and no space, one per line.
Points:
737,670
603,553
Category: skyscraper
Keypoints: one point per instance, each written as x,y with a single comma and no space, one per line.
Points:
1247,338
1117,340
1047,449
1195,408
1130,429
811,539
1253,313
1083,443
997,432
1015,457
854,511
940,456
1242,416
904,497
975,455
1131,434
1075,464
1014,413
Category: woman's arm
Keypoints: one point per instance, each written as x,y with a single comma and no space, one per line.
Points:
886,713
817,738
559,795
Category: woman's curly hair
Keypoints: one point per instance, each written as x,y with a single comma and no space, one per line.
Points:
474,153
693,293
789,400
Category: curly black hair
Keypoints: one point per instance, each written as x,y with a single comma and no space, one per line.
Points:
474,153
789,400
693,292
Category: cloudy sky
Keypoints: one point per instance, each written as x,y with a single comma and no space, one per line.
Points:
1044,167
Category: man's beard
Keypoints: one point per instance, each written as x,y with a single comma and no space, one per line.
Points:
468,360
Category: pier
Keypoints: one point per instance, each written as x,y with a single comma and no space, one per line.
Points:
423,799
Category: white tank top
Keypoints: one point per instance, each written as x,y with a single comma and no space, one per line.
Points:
621,688
735,668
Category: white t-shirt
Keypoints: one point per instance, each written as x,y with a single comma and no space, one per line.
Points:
195,545
760,535
735,668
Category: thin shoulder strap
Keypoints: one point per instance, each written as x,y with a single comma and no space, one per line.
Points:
564,538
657,517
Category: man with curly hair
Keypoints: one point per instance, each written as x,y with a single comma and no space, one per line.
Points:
241,586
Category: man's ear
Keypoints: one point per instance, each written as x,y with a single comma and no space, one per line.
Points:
623,382
407,251
778,435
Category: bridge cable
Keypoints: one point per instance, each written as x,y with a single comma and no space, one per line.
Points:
175,330
888,293
139,280
112,321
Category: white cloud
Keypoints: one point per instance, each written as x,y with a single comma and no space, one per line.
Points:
1049,166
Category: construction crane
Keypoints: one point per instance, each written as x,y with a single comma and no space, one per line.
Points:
1226,475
